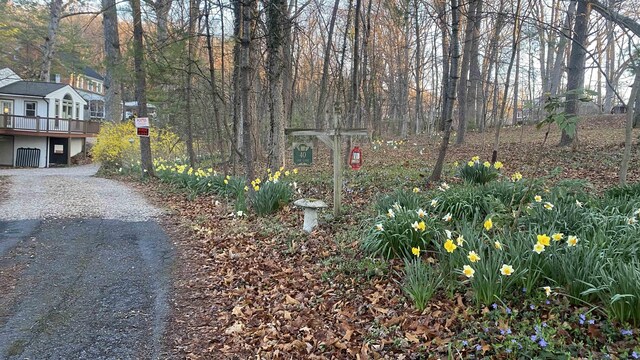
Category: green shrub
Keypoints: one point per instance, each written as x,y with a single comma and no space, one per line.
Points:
475,172
271,196
404,198
399,230
421,281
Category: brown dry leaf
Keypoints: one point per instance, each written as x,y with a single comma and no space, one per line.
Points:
290,301
347,335
411,338
237,311
236,328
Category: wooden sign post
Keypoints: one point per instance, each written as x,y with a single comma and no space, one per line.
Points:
333,139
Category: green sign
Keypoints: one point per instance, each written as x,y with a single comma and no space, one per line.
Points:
302,153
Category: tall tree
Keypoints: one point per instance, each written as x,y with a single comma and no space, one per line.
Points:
277,20
464,72
112,97
48,48
450,93
141,86
191,57
576,65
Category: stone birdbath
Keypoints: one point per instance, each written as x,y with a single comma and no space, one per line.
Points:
310,207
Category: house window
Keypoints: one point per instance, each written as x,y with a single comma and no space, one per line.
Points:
30,108
90,85
77,111
67,107
6,106
99,90
56,111
96,108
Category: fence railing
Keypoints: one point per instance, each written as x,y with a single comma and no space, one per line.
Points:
48,125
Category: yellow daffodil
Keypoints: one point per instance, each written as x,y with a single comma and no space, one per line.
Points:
497,245
475,158
246,188
450,246
379,227
391,214
416,190
455,164
506,270
547,290
548,206
295,171
470,163
415,251
473,257
422,226
258,181
497,165
538,248
256,188
286,173
516,176
460,240
281,168
228,177
468,271
543,239
487,164
537,198
421,213
447,217
572,240
557,236
488,224
226,182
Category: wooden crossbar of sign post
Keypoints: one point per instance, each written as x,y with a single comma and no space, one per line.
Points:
333,139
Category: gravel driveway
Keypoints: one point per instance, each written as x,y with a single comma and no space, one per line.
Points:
84,268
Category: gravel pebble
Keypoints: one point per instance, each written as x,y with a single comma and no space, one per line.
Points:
71,192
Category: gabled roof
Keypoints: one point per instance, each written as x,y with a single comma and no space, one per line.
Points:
7,76
31,88
92,73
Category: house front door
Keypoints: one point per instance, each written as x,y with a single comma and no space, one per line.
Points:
58,151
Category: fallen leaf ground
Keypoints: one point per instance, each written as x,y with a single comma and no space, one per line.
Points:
254,287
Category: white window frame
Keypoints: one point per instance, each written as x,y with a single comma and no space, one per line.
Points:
35,108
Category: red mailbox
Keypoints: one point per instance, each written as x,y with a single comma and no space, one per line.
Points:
355,160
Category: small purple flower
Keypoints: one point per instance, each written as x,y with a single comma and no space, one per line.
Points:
626,332
524,290
478,347
547,302
635,355
513,341
532,307
508,351
494,306
534,337
583,317
485,329
465,343
591,321
509,331
507,310
502,332
537,328
544,324
542,343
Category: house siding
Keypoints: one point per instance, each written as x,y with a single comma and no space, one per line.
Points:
75,146
6,150
32,142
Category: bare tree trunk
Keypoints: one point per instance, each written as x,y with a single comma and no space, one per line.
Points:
514,47
446,60
474,96
141,85
277,19
215,95
628,141
451,91
112,97
418,106
246,74
191,46
464,73
48,48
576,66
322,96
556,72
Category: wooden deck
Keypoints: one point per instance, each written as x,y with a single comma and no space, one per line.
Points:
43,126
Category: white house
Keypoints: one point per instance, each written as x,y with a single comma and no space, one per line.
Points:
41,123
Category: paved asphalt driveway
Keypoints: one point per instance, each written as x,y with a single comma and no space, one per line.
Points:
84,268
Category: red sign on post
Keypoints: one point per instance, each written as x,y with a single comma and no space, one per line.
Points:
142,131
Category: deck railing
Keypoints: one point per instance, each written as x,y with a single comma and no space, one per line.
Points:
48,125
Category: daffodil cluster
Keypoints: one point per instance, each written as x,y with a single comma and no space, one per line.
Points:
476,171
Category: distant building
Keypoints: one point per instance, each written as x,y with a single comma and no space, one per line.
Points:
90,85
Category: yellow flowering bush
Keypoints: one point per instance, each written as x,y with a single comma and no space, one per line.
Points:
476,172
118,146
